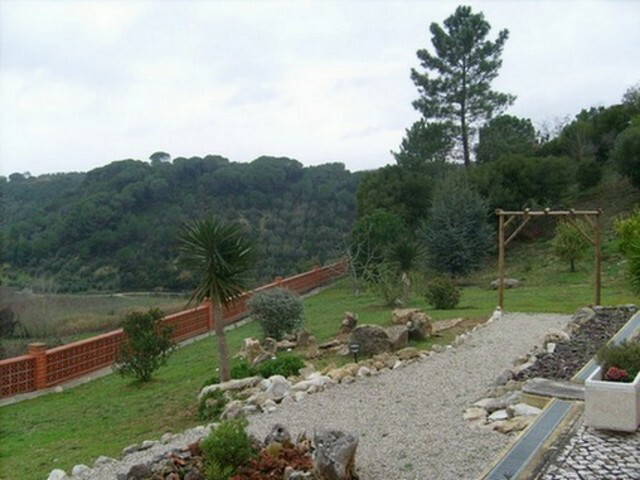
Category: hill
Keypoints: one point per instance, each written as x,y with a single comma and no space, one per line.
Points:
116,227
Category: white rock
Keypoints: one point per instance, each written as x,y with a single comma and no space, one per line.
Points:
523,410
474,413
269,406
320,381
398,364
130,449
312,389
232,410
551,347
239,384
102,460
251,409
364,372
198,430
148,444
498,415
348,379
58,474
555,335
167,437
80,470
299,396
278,387
58,389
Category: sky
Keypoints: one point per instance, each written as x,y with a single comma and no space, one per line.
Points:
86,83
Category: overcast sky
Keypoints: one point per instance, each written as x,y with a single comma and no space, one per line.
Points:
86,83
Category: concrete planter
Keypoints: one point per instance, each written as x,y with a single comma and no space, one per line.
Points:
612,405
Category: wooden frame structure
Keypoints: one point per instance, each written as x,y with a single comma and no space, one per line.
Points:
505,218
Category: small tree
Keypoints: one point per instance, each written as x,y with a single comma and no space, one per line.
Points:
569,244
628,232
457,234
626,152
279,311
147,344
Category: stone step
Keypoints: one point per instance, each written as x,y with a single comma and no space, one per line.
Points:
554,388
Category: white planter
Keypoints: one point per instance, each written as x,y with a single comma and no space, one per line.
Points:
612,405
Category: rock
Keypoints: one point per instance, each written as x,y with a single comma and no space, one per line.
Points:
329,344
80,470
508,283
551,347
58,474
402,316
263,357
498,415
348,323
398,364
303,338
504,377
371,338
278,433
148,444
167,437
348,379
437,348
258,399
582,316
418,323
58,389
364,372
555,335
269,406
278,387
398,335
286,345
232,410
522,410
299,396
130,449
408,353
139,472
250,349
291,474
318,381
515,424
312,349
194,474
269,345
251,409
231,385
306,372
102,460
335,455
474,413
493,404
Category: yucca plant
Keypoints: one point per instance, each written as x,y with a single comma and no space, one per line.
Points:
221,255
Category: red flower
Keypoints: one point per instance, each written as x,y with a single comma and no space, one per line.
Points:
616,374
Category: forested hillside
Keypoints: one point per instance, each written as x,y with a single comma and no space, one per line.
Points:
116,227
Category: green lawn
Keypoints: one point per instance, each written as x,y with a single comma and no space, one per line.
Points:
103,416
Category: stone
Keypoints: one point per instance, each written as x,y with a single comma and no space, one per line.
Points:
349,322
551,347
474,413
312,350
80,470
437,348
263,357
498,415
555,335
194,474
493,404
348,379
508,283
504,377
523,410
58,389
269,345
139,472
148,444
318,381
303,338
408,353
398,335
258,399
330,344
167,437
364,372
335,455
232,410
299,396
278,387
130,449
286,345
515,424
269,406
232,385
278,433
103,460
398,364
418,323
58,474
371,338
250,349
251,409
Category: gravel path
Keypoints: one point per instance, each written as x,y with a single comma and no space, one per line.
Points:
410,420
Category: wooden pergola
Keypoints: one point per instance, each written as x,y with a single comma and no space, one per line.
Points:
592,217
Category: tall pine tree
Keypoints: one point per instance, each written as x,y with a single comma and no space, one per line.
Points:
456,85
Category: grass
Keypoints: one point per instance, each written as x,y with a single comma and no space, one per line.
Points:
103,416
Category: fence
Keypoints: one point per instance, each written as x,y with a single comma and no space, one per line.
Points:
43,368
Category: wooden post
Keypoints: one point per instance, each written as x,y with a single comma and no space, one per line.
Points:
39,352
598,241
501,261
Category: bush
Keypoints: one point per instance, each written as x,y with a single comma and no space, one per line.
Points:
286,365
626,152
569,245
385,281
212,405
628,232
226,448
240,368
147,344
625,356
589,173
278,310
442,293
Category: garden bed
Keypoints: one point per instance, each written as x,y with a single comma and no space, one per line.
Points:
591,329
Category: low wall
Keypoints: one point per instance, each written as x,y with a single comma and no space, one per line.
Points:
43,368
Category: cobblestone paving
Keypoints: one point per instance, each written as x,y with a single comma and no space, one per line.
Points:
597,455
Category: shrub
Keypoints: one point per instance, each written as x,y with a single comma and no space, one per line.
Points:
385,281
147,344
569,244
628,232
442,293
285,365
226,448
240,368
589,173
626,152
212,405
278,310
624,356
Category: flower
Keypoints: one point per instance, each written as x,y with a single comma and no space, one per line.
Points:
616,374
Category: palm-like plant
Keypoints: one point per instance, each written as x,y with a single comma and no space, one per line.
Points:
221,255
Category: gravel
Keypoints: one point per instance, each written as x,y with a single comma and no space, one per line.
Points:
410,419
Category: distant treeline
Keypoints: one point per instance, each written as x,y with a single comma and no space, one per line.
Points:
116,227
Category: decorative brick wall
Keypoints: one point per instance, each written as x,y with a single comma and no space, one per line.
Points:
43,368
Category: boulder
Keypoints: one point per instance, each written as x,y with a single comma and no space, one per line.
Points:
232,410
80,470
335,455
58,474
402,316
500,403
508,283
250,349
263,357
418,322
474,413
269,406
318,381
312,348
233,385
270,345
555,335
364,372
103,460
523,410
408,353
278,433
304,338
515,424
139,472
504,377
398,335
330,344
349,322
498,415
371,338
278,387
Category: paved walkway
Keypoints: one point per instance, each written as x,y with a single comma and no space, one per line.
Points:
596,455
409,420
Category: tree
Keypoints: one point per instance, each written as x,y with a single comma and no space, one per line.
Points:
221,255
503,135
159,157
457,235
569,244
626,152
465,64
425,142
